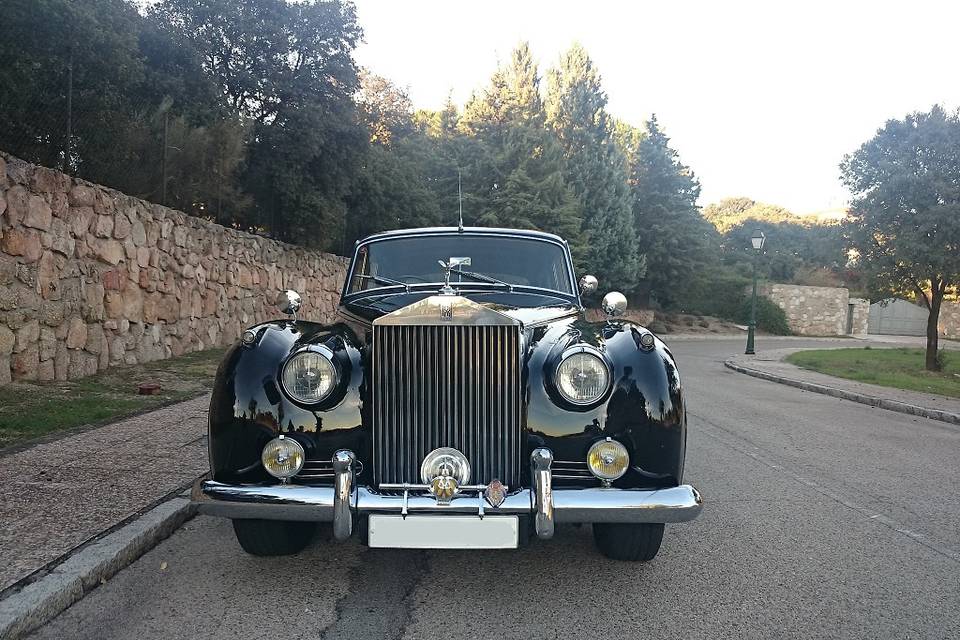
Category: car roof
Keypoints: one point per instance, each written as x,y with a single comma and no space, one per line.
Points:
489,231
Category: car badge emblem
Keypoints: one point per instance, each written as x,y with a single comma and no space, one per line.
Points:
444,486
495,493
446,311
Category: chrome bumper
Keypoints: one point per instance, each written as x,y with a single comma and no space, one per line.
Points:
339,503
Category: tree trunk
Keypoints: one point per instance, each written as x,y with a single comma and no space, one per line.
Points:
933,336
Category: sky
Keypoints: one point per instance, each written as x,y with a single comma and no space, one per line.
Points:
761,99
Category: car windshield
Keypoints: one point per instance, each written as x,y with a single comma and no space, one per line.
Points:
416,260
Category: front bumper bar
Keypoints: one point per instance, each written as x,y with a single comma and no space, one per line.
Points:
339,503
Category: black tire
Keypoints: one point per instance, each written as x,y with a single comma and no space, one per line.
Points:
273,537
632,542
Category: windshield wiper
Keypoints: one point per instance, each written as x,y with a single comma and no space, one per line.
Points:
385,280
483,278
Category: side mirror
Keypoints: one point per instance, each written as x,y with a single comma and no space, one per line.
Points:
588,284
614,304
289,302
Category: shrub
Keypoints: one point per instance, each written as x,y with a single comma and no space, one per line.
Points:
657,327
770,317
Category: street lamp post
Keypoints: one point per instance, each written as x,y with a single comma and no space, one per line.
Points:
756,240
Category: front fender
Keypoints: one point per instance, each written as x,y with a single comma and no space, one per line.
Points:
247,407
644,410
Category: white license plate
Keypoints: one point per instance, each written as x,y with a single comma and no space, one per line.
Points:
444,532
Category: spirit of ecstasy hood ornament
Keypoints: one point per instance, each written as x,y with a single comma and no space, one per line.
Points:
448,268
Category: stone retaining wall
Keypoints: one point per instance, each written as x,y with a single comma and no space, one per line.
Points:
949,321
819,311
90,277
861,316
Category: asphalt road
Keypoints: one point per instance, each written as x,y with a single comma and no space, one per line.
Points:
823,519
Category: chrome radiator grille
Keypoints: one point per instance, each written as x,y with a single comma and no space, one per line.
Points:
446,386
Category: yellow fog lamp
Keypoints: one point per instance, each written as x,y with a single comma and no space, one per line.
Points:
608,460
283,457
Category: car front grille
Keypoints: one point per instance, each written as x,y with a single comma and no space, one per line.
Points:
446,386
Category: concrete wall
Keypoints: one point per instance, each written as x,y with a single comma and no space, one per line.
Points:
818,311
90,277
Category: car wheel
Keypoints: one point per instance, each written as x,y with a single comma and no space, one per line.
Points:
633,542
273,537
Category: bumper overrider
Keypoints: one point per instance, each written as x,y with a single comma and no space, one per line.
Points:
345,499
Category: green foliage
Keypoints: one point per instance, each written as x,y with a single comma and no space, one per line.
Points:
516,167
595,168
770,317
905,214
672,234
732,212
720,293
253,113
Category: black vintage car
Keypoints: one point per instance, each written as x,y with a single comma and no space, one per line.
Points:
462,401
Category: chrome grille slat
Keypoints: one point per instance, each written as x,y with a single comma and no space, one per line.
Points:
446,385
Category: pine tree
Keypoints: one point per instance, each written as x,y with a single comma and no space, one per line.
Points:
595,168
514,173
673,234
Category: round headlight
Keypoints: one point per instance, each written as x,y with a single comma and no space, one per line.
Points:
283,457
309,377
582,377
608,459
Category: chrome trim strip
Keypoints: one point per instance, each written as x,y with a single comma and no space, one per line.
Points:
517,503
599,504
343,488
293,502
540,461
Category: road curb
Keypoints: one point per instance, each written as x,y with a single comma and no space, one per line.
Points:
40,601
862,398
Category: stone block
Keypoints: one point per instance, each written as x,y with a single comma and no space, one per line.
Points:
93,302
61,362
21,242
5,377
113,304
47,276
46,180
95,342
23,365
138,233
82,196
38,214
121,226
59,204
45,370
114,279
52,313
108,251
103,226
48,343
27,336
133,303
18,202
79,219
61,240
7,340
76,334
